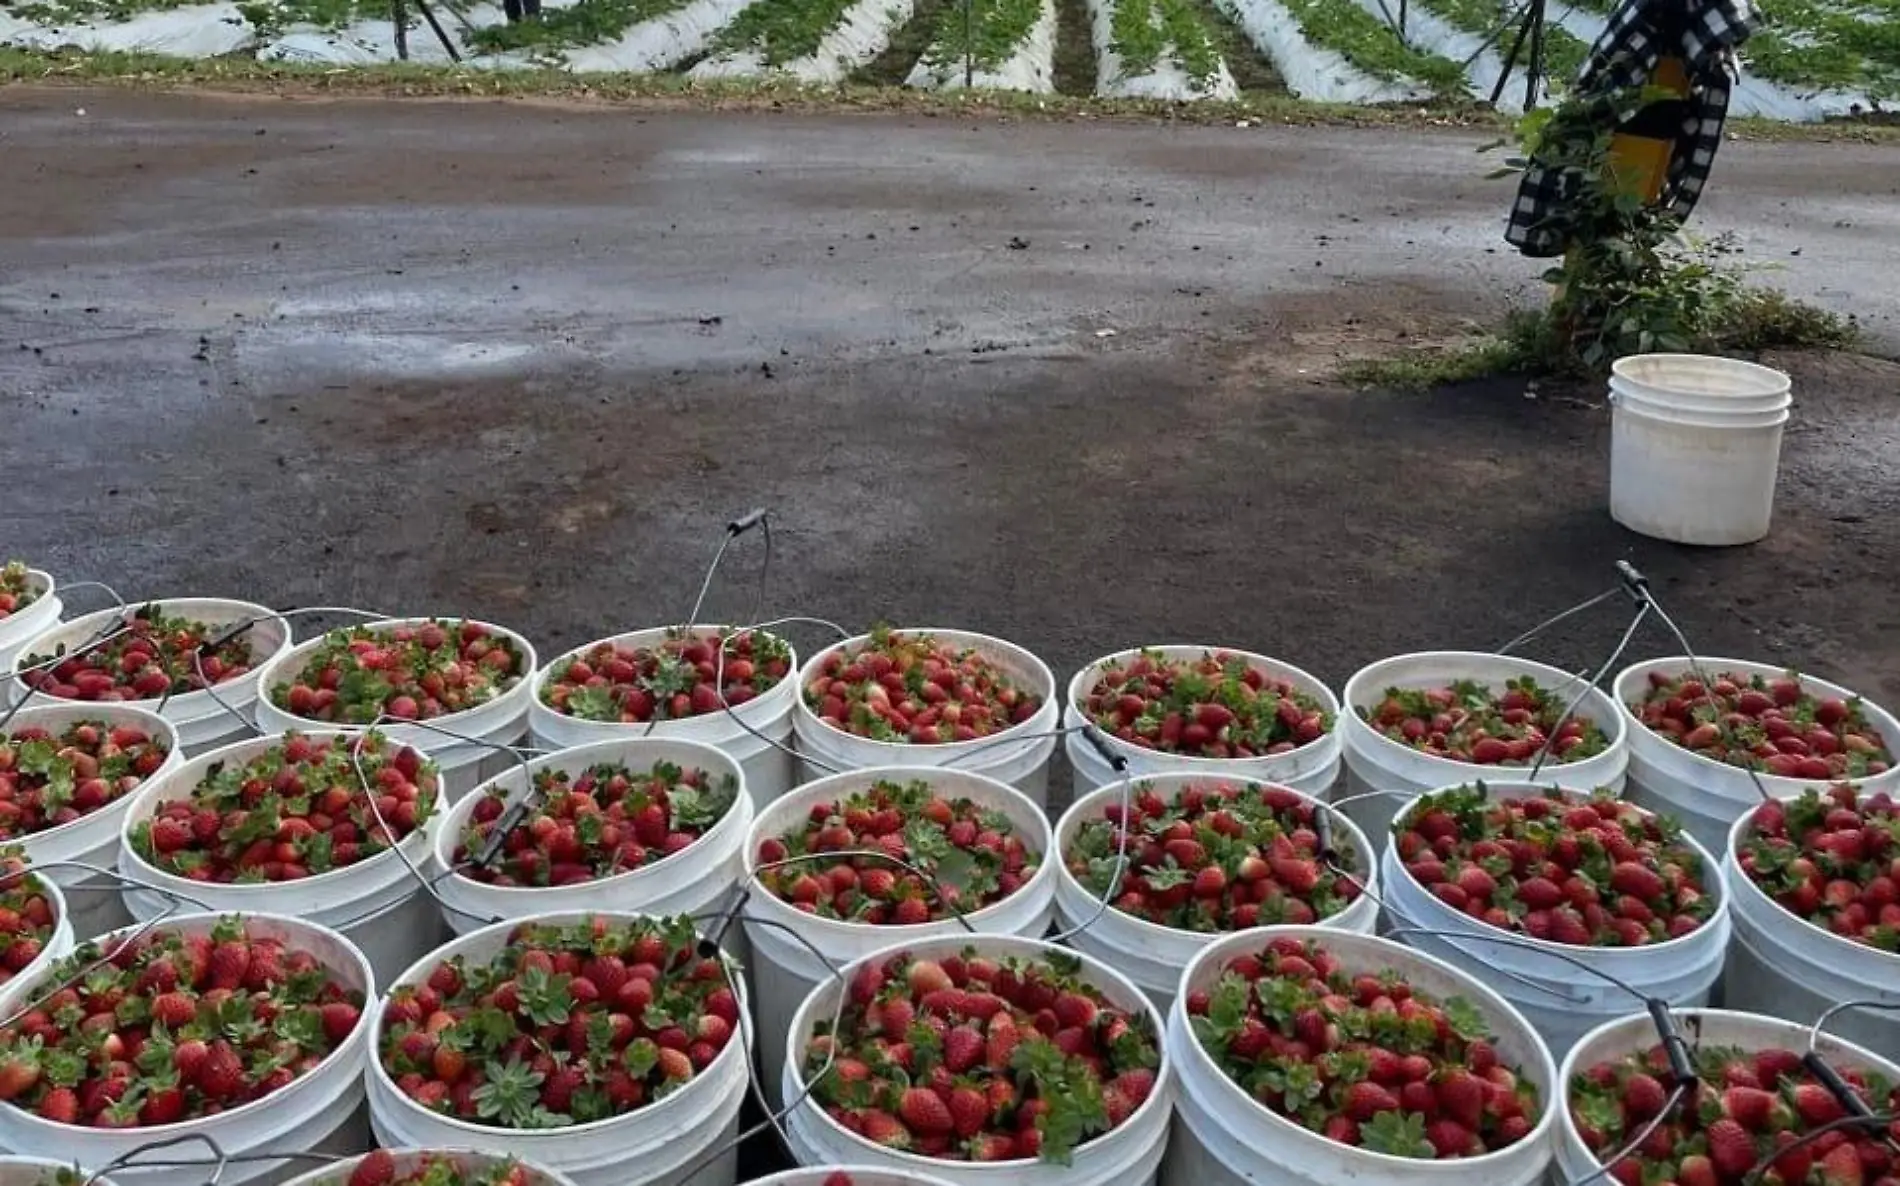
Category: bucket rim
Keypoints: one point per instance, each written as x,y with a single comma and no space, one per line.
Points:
1772,381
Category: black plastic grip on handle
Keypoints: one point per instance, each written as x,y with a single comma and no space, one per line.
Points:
1836,1086
1634,582
1681,1062
1115,761
211,646
1323,830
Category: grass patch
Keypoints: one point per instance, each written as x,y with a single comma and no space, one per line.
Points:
781,31
582,23
1142,31
986,33
1371,45
1564,52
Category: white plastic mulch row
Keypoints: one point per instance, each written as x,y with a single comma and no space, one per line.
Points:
1168,79
1030,67
1309,71
866,29
1430,33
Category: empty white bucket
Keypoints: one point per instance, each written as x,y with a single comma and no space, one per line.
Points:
786,970
93,839
747,731
1562,1000
205,719
19,628
1225,1137
1695,446
1786,966
1018,755
1310,769
1154,956
1708,796
500,722
376,903
1375,762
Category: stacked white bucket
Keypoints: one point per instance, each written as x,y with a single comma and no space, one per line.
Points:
757,734
204,719
1376,763
1708,796
1542,979
20,628
1018,755
490,728
1310,769
1695,447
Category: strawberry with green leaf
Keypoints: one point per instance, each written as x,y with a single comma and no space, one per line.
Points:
1466,721
597,822
16,588
1773,725
1216,857
569,1023
1216,706
972,1058
412,672
1581,870
912,688
50,779
152,656
380,1168
684,676
1752,1116
1360,1056
295,810
173,1027
1832,858
961,857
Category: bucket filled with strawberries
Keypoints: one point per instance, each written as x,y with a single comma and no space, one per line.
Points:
1152,871
633,826
68,772
844,1175
1413,723
929,697
1815,883
853,863
1713,731
1212,711
245,1029
1548,884
725,687
430,1167
607,1047
36,928
306,824
465,684
1750,1109
981,1059
29,605
1327,1058
194,661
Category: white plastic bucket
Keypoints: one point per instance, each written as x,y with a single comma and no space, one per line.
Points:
650,1146
1154,956
858,1175
1695,447
316,1112
1310,769
700,879
1709,796
501,722
58,945
785,971
1786,966
92,839
16,630
408,1161
1699,1027
44,1171
204,719
1018,755
1375,762
1562,1001
1224,1137
769,768
1129,1155
376,903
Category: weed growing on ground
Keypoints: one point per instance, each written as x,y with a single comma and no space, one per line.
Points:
987,34
781,31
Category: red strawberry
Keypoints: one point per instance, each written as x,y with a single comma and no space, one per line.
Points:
1365,1100
962,1049
1731,1149
377,1168
1842,1166
923,1112
969,1110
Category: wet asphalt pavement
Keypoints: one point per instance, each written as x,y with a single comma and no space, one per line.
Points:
1057,382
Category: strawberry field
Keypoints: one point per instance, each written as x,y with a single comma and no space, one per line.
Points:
411,929
1815,59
